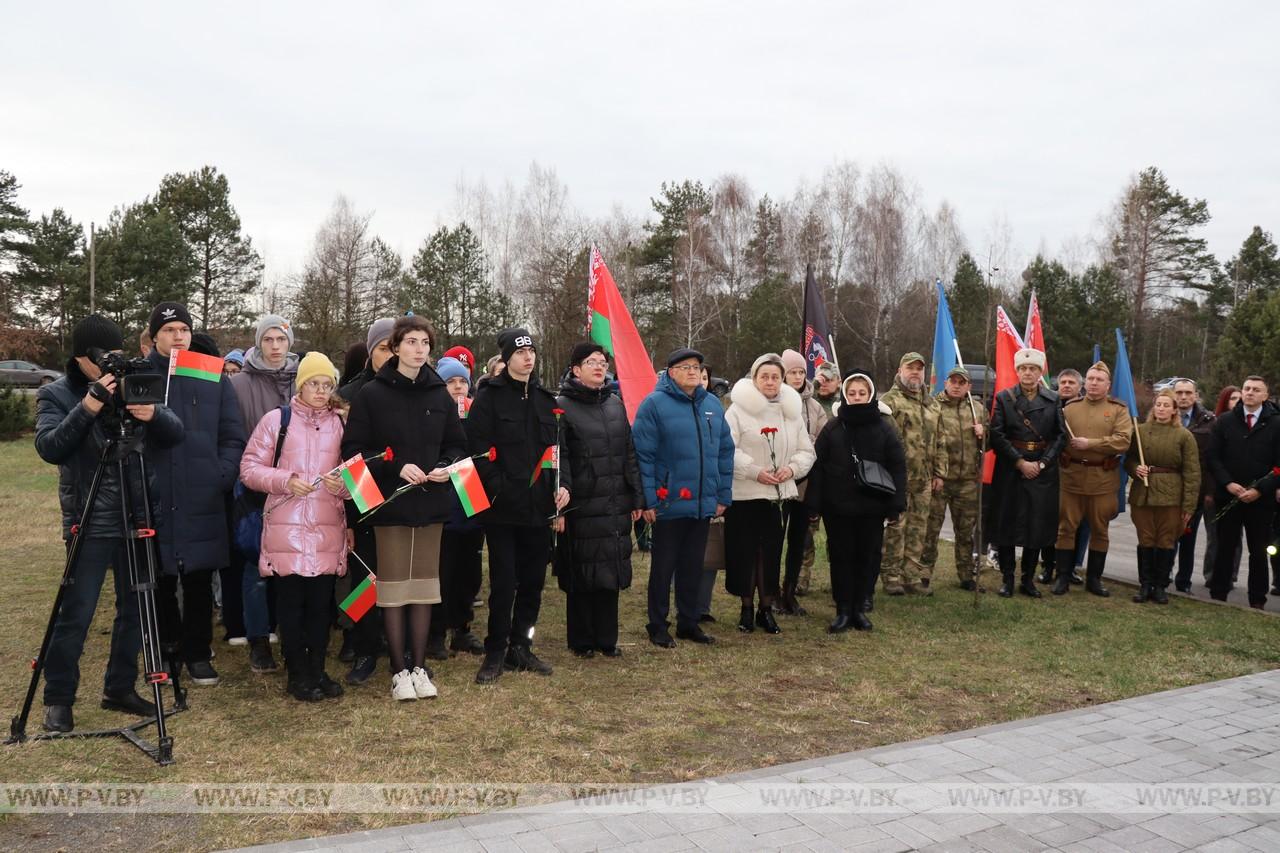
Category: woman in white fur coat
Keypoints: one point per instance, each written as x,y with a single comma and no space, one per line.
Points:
772,451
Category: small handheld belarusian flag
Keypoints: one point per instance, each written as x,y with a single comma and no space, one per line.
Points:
195,365
550,461
361,599
466,481
464,406
364,491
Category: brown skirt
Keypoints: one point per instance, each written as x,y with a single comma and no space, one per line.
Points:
408,565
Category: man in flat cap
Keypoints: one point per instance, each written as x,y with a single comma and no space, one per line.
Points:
961,425
1027,436
1099,429
916,414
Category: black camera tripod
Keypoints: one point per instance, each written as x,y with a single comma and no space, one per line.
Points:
123,452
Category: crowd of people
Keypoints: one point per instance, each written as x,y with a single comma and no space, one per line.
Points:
254,516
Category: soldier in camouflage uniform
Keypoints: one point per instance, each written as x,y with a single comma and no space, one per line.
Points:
961,425
915,413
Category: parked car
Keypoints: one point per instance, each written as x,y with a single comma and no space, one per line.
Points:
1165,384
24,373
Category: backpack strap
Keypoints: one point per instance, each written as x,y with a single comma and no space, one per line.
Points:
286,413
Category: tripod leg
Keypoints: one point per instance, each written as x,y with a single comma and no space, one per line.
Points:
18,725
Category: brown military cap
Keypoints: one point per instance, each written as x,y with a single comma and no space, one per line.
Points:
1100,365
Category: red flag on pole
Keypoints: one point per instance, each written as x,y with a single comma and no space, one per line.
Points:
1035,328
609,325
1007,343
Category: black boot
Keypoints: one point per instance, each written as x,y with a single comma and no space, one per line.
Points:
790,605
1047,559
1163,567
745,623
860,621
1144,575
1066,563
842,622
765,620
1028,586
1093,573
1005,557
436,648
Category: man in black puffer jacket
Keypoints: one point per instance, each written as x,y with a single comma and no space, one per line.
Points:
516,415
593,559
74,417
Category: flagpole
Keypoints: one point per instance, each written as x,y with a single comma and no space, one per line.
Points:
173,354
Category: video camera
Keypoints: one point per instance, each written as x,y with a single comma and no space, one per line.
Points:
137,382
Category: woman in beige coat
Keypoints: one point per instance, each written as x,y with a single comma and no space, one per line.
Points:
772,451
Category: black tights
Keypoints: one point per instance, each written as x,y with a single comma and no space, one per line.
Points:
393,619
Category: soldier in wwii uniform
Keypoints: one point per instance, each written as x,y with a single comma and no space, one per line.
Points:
961,424
1027,437
1099,429
915,413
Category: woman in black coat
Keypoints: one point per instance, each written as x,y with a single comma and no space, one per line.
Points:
853,516
406,407
593,558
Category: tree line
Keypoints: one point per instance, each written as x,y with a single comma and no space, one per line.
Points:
711,265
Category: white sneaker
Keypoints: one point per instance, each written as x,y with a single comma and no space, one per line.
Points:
237,641
272,638
402,686
422,685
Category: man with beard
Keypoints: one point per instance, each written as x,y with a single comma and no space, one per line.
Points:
1099,429
916,413
1027,437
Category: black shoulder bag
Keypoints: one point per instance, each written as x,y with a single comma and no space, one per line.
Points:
870,476
247,531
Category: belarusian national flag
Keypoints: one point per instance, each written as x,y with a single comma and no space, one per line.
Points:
464,406
550,460
361,599
466,482
195,365
1008,342
364,491
609,325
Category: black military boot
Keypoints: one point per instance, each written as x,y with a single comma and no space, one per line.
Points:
841,623
1162,565
1144,575
1093,573
1028,586
1004,556
1066,560
1048,557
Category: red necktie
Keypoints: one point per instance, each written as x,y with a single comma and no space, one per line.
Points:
1248,420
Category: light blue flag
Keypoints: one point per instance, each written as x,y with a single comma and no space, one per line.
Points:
946,351
1122,388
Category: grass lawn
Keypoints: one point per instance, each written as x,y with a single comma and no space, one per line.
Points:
931,666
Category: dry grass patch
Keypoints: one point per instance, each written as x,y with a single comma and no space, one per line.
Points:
931,666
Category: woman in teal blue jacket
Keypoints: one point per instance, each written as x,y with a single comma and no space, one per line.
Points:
685,455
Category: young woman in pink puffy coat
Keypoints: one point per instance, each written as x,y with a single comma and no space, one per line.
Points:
304,535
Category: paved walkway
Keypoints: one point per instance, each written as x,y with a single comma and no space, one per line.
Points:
1225,733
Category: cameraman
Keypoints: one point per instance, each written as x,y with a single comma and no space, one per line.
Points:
74,417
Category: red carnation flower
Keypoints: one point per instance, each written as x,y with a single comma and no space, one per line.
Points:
492,455
557,412
768,430
685,494
1276,471
387,455
662,493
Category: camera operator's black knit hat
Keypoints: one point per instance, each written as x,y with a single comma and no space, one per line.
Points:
95,331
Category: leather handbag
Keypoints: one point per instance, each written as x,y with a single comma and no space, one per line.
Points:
870,476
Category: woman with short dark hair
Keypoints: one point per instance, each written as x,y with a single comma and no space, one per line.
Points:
407,407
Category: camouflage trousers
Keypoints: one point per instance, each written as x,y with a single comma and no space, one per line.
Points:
902,563
806,565
961,496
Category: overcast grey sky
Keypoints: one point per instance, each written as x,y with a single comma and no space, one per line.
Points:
1033,113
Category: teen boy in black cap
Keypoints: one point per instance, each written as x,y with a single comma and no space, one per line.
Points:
516,415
